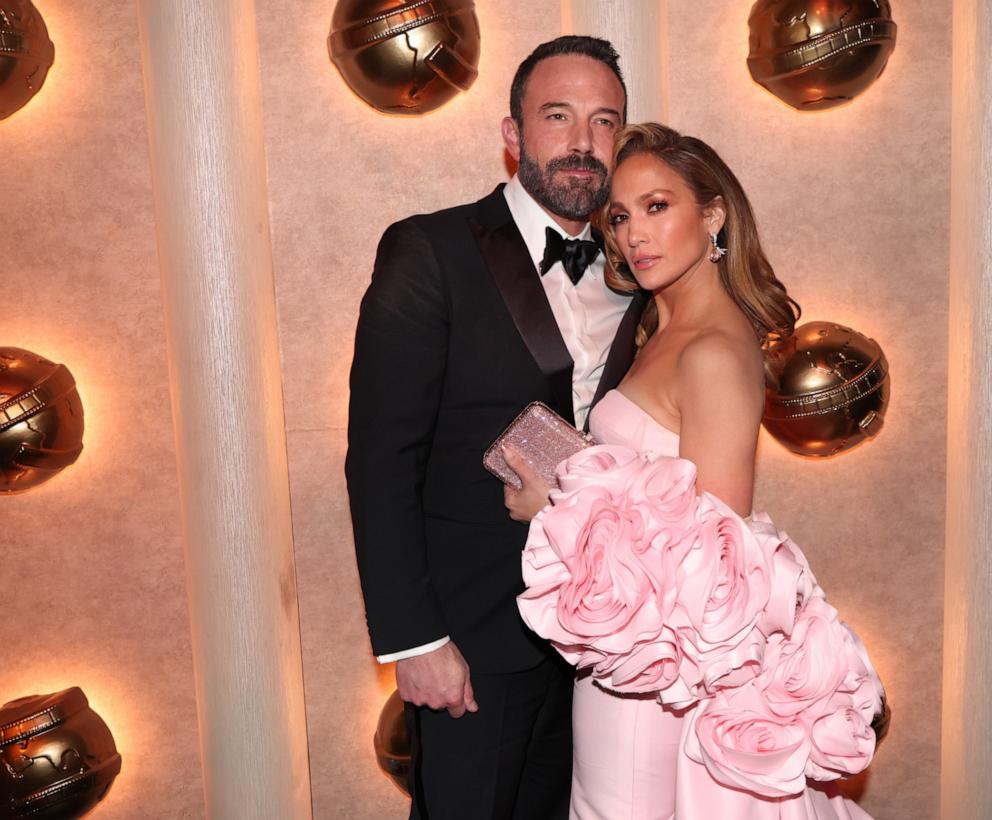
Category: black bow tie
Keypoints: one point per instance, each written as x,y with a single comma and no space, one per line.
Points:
575,255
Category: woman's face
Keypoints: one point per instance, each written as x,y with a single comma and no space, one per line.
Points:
659,227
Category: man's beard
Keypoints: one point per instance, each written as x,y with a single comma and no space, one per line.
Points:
576,198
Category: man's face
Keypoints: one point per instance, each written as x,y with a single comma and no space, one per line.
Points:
572,107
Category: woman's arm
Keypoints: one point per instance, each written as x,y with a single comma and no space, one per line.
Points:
530,499
719,391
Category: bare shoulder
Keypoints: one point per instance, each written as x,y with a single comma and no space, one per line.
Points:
723,366
720,353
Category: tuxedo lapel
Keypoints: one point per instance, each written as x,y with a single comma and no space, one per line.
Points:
506,256
622,350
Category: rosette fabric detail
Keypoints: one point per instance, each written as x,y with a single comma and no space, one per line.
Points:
656,589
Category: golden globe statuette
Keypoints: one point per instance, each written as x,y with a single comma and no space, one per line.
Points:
833,390
26,54
392,743
41,419
57,757
816,54
406,56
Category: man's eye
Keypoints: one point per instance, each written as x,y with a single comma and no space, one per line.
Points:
607,122
557,115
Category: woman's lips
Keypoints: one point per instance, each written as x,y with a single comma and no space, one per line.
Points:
644,262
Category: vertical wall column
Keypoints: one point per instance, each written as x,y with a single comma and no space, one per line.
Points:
638,30
202,89
966,789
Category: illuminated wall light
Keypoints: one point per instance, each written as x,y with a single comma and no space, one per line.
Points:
407,57
833,390
41,419
58,757
26,54
816,55
392,743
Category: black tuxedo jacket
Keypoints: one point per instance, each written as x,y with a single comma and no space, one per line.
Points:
455,336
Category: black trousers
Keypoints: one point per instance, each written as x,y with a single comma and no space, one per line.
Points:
511,760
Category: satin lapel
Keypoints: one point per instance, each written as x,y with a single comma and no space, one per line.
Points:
519,284
622,350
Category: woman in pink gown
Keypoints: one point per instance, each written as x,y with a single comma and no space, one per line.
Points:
680,226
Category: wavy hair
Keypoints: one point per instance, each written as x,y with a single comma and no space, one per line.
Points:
745,272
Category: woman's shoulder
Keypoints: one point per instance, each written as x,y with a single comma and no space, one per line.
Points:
722,366
719,351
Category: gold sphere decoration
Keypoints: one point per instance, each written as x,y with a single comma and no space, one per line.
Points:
406,56
392,743
816,54
41,419
57,757
26,54
833,390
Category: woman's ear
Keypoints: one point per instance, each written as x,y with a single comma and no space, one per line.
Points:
714,215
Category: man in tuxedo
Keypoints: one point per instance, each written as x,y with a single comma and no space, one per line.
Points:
472,313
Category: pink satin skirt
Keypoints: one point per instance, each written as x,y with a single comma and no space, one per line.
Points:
627,766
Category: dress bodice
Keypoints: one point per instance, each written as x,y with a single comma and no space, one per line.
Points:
617,420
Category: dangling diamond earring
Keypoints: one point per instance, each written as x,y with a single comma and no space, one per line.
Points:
717,253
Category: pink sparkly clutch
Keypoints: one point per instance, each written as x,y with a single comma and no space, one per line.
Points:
542,437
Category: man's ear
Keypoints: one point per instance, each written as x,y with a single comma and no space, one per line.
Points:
511,137
715,214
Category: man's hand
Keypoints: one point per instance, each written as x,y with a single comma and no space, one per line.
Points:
438,680
531,498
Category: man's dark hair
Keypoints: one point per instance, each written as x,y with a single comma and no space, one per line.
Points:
593,47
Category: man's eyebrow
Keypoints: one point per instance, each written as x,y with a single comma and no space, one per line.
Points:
555,104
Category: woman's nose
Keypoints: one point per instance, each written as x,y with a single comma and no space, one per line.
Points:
635,234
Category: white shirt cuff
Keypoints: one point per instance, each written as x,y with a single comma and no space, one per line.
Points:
412,653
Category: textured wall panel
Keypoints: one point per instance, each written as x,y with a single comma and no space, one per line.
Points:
211,208
967,726
638,30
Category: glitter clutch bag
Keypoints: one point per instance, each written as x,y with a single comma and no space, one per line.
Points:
542,437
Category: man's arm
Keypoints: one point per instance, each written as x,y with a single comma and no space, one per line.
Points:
396,378
401,349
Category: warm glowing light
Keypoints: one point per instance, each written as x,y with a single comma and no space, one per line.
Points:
100,410
109,694
64,99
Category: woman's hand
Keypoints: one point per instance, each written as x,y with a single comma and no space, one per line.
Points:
530,499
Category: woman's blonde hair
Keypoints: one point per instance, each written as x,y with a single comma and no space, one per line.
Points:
745,272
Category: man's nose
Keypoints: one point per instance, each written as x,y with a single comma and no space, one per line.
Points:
581,138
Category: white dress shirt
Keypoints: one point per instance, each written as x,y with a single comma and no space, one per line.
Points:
588,315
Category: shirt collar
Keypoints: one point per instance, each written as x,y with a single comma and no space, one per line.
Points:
531,220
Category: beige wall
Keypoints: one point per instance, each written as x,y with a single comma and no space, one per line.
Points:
854,206
90,563
966,732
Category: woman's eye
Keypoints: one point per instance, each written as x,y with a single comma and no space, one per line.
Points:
660,205
616,219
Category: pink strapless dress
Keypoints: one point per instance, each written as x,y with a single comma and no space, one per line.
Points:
626,758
